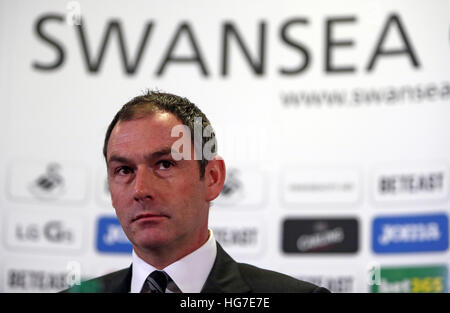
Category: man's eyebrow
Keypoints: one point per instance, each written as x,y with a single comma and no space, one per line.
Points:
148,157
158,154
118,159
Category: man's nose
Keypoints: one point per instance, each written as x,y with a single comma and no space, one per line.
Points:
143,188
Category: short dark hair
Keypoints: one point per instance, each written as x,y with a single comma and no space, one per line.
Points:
152,102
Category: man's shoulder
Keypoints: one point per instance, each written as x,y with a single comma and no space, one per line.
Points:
263,280
118,281
227,275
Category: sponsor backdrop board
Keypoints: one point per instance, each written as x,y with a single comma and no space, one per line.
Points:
333,118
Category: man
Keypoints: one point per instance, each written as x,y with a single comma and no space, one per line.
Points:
161,187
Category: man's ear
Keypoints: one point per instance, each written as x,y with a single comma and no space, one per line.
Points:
215,173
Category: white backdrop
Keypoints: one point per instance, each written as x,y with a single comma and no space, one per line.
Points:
332,116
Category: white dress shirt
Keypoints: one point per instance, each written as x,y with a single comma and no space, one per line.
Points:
188,273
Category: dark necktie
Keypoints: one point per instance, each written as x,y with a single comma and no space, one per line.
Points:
156,282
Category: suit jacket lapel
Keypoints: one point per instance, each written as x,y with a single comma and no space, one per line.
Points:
120,282
225,276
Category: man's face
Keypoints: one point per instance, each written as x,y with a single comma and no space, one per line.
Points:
160,202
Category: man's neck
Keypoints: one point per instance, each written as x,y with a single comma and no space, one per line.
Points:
161,257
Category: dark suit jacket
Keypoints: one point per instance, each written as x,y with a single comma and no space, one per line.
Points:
226,276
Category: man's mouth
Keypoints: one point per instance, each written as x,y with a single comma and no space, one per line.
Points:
149,217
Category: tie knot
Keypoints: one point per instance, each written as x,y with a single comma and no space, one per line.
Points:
156,282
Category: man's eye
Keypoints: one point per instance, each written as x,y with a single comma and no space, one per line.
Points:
165,165
123,170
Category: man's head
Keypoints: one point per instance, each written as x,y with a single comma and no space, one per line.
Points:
161,203
152,102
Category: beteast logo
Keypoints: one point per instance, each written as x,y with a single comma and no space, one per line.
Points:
320,236
415,233
35,280
336,284
412,279
411,182
244,237
111,237
27,275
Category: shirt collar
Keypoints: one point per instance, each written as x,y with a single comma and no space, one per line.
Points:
189,273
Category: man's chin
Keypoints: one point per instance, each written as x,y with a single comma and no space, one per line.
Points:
151,243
